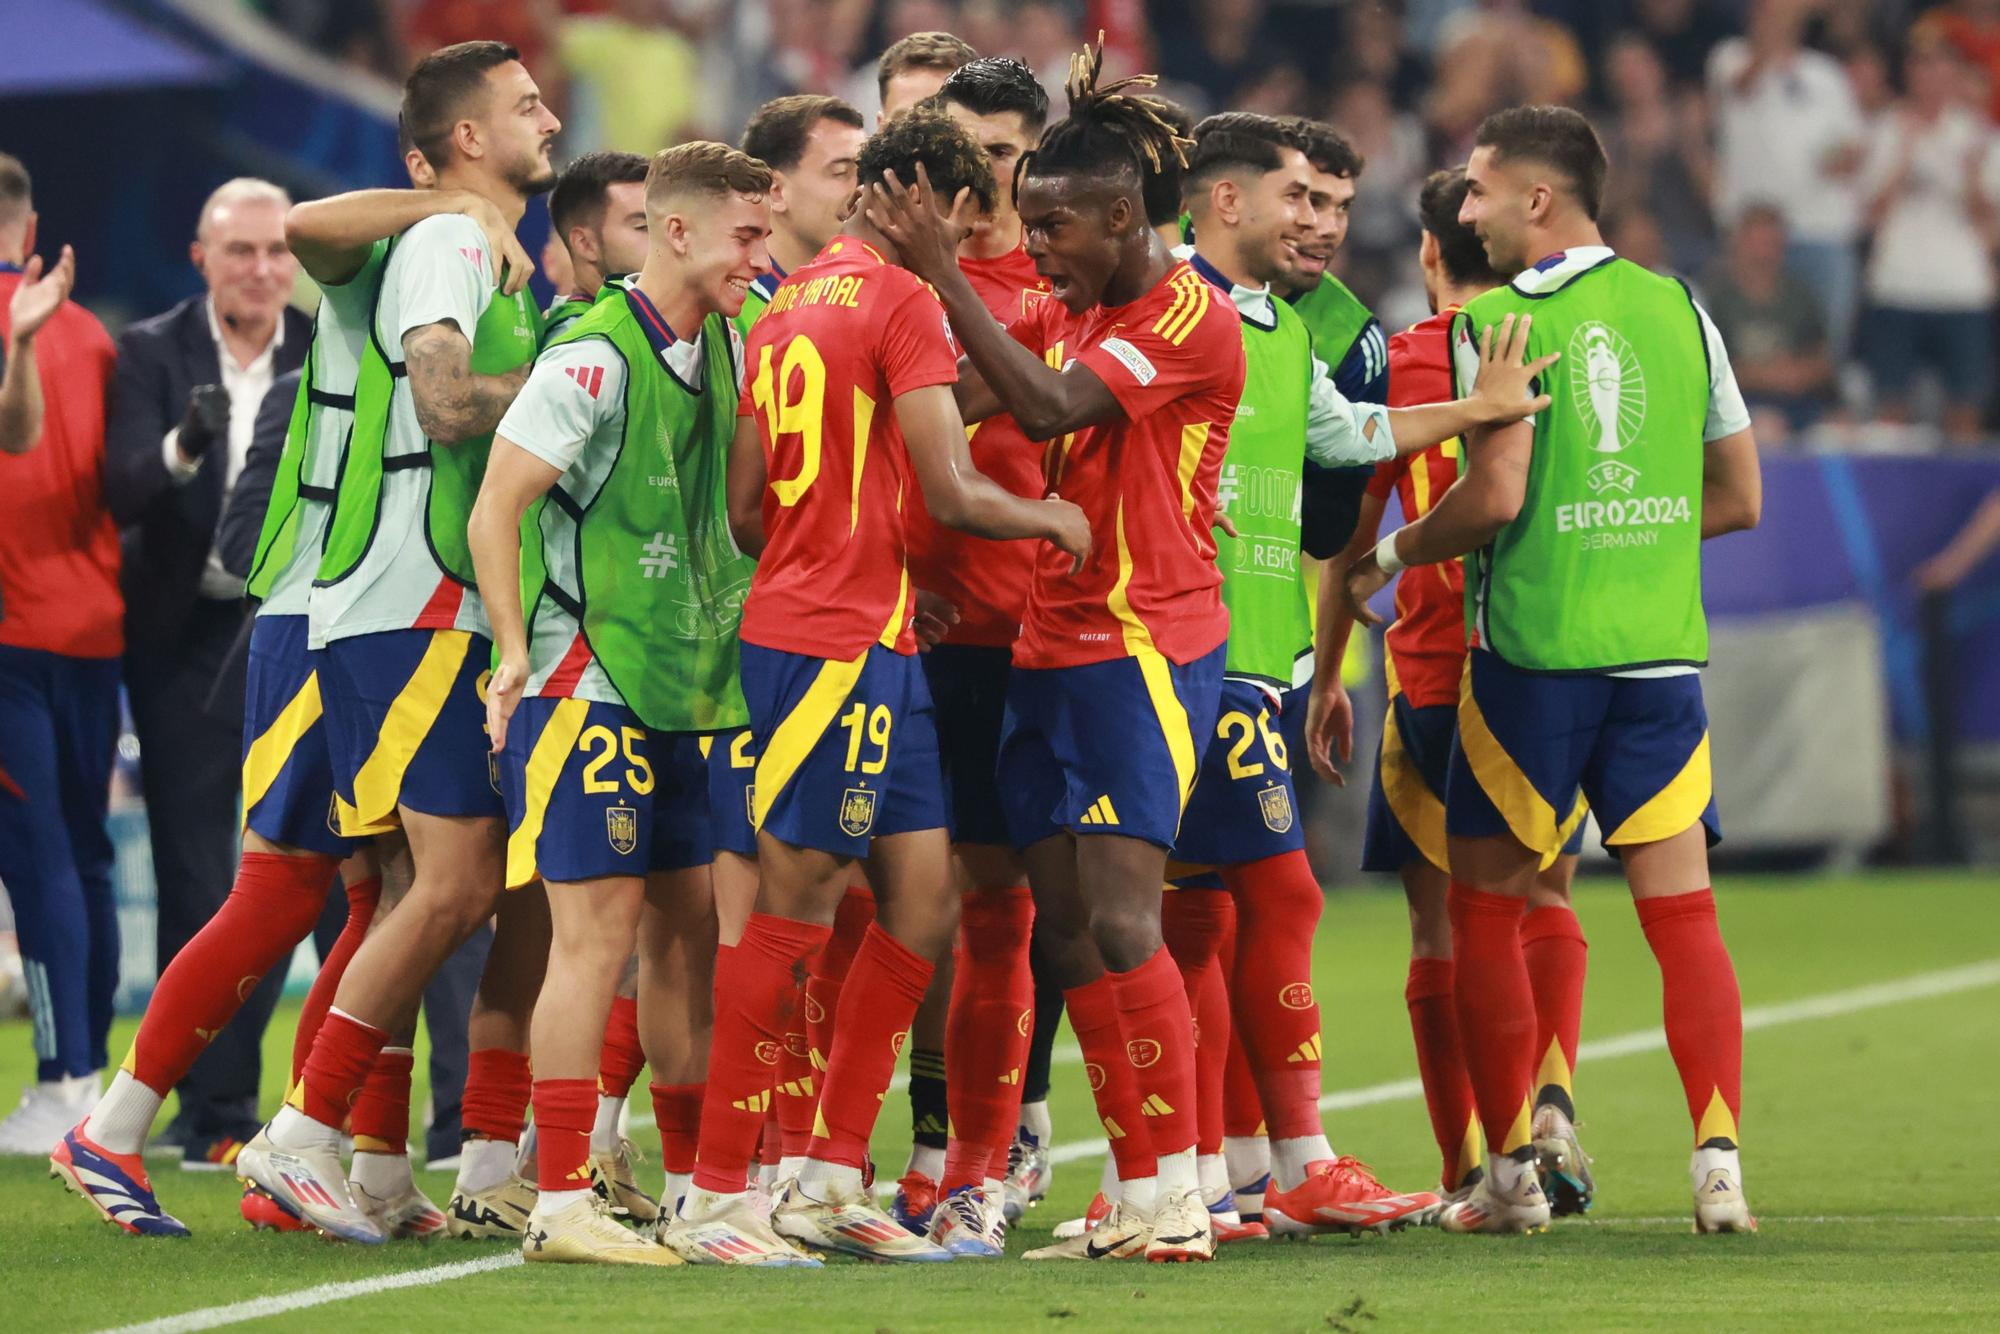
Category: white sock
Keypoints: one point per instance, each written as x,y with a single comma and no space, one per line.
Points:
825,1181
386,1176
1291,1157
526,1161
767,1178
484,1164
1137,1195
788,1166
927,1160
993,1187
293,1129
604,1135
678,1184
1178,1173
1035,1120
1248,1156
124,1116
1107,1179
555,1201
1214,1175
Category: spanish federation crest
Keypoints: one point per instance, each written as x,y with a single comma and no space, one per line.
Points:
1276,804
857,811
621,826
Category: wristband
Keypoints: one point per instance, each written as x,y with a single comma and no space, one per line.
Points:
1385,555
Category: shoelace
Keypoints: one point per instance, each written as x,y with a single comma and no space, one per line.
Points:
1353,1171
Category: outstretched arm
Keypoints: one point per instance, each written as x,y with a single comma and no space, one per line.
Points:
1329,712
747,477
959,496
514,480
332,236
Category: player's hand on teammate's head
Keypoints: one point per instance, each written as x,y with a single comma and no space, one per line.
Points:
926,238
511,266
1364,579
1330,727
934,618
1069,529
503,695
1506,382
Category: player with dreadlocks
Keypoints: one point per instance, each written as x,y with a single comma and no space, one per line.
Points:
1118,667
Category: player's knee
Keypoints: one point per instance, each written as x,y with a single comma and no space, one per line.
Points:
1126,934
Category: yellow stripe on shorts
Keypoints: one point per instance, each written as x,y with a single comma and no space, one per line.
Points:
1416,808
1154,671
1528,814
794,738
1672,809
267,755
415,710
545,764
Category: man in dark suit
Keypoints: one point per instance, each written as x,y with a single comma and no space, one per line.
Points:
188,387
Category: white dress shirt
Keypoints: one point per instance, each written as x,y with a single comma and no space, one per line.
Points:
246,386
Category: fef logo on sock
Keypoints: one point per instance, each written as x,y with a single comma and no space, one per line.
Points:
1296,996
1095,1074
246,985
1025,1022
1142,1052
795,1043
896,1042
815,1012
767,1052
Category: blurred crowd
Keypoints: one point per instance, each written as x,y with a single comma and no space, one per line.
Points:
1823,171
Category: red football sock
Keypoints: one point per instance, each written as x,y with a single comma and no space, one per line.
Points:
1242,1113
1552,942
381,1116
497,1087
565,1110
829,971
621,1060
1704,1010
866,1044
755,988
340,1060
270,909
677,1114
1194,922
362,898
1093,1016
795,1090
1158,1027
1278,903
1441,1065
1496,1011
987,1031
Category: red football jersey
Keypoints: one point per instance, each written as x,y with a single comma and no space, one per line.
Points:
1174,360
987,581
58,546
842,337
1427,639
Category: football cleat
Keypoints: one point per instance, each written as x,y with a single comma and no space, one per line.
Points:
1342,1195
1718,1193
1250,1199
409,1214
993,1210
498,1213
612,1177
583,1232
114,1184
265,1214
35,1129
1523,1209
1561,1162
1029,1173
1183,1232
211,1155
711,1229
851,1224
959,1225
915,1201
1119,1235
1072,1228
311,1184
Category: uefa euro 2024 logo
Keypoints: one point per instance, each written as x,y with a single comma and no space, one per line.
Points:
1607,385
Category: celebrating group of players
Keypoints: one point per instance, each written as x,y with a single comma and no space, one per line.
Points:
890,553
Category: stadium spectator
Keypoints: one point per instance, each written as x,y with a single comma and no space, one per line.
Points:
183,404
1499,53
1788,133
1772,324
1932,181
59,643
1217,51
1659,139
1682,32
914,67
1972,27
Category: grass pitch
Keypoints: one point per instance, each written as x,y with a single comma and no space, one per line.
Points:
1870,1089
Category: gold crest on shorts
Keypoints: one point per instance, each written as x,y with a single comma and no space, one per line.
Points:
1276,803
750,805
621,826
857,811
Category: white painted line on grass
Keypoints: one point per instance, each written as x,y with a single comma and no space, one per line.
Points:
259,1308
1922,986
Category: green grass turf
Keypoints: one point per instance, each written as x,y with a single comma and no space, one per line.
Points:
1866,1154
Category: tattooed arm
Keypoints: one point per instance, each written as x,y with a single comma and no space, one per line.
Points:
453,403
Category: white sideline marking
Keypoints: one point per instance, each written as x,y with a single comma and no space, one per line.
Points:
1921,986
261,1307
